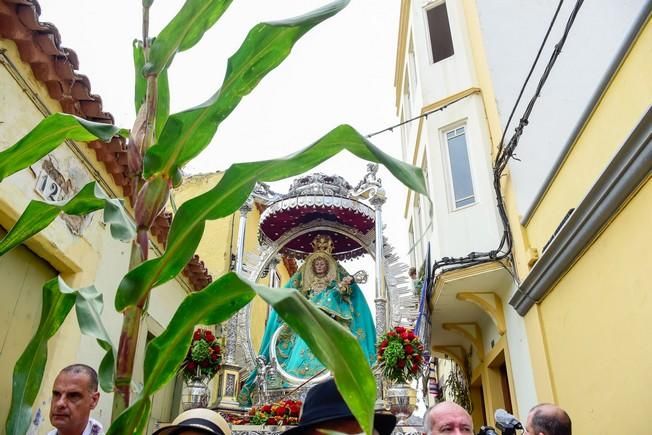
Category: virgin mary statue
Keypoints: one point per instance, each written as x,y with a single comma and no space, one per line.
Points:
330,287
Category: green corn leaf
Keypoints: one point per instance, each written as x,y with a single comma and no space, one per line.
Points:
38,215
49,134
140,83
214,304
164,354
333,345
163,86
231,192
187,133
58,300
121,226
88,305
184,31
132,420
29,369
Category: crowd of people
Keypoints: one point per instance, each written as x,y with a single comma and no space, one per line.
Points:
75,395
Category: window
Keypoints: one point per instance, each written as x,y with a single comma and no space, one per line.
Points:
418,229
412,248
407,99
460,169
412,66
441,42
405,137
424,169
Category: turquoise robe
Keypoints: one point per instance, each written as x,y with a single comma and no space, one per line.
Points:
293,353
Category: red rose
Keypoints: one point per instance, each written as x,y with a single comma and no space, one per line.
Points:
405,336
399,329
191,366
271,421
214,356
217,349
415,368
281,410
411,335
208,335
391,334
417,358
383,344
401,363
204,363
266,408
295,410
408,349
197,335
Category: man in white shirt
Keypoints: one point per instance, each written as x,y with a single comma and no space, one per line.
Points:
74,395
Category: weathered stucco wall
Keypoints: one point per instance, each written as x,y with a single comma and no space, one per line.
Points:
82,252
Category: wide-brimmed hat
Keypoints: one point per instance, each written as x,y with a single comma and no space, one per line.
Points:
199,419
324,403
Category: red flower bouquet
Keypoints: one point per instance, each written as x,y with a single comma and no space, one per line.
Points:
204,357
284,412
400,355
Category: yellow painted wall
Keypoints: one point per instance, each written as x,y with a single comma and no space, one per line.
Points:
588,338
596,324
92,258
221,235
220,240
483,76
626,100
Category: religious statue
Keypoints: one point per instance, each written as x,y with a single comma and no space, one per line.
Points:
329,286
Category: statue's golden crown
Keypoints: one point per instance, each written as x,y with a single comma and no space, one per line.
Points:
322,243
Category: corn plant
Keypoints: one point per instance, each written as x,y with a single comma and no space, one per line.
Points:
159,145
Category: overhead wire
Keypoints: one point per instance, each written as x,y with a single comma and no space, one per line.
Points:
504,249
504,152
529,74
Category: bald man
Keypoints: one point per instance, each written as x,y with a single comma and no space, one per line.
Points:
448,418
548,419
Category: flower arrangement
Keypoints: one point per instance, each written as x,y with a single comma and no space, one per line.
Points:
204,357
284,412
400,355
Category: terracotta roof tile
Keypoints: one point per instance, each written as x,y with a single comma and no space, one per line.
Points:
39,45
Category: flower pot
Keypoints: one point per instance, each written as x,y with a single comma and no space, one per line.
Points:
402,401
195,394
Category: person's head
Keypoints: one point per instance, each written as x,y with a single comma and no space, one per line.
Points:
448,418
74,395
325,410
548,419
198,421
320,266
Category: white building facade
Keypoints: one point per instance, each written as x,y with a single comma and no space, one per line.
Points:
463,63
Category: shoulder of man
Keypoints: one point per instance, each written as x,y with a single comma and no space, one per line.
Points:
94,427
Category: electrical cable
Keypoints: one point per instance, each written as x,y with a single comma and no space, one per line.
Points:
504,153
529,74
407,121
502,158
